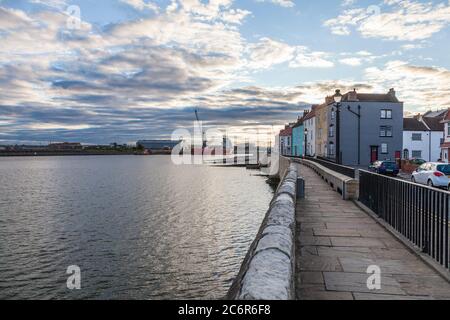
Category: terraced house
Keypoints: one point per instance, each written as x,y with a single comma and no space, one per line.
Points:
423,136
360,128
445,147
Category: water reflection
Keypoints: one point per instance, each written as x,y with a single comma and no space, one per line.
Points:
138,227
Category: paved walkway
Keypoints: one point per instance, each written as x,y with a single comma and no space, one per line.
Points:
337,242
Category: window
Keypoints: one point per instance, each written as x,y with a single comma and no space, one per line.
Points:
416,137
448,129
406,154
386,114
331,132
384,148
333,115
385,131
416,154
331,149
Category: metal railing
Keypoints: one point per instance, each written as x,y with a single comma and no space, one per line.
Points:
346,171
419,213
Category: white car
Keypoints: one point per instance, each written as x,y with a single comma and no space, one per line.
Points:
433,174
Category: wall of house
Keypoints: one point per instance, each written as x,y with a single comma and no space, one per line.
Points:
445,151
433,140
285,145
422,145
321,131
370,131
298,137
436,140
310,148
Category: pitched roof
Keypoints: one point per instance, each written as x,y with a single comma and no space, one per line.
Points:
372,97
445,145
310,114
438,113
299,123
286,132
447,116
412,124
435,123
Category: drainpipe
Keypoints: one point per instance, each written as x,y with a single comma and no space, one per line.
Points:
429,146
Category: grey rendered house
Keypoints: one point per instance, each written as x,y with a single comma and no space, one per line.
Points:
370,127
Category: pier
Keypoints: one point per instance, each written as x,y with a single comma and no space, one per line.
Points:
339,242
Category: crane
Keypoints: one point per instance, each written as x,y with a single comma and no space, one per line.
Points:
203,132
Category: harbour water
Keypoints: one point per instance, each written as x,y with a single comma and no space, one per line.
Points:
138,227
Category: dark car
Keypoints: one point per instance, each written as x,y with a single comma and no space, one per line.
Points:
385,167
417,161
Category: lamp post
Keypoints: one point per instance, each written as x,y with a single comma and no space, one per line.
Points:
358,114
337,100
306,141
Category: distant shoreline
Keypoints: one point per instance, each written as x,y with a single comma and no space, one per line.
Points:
68,153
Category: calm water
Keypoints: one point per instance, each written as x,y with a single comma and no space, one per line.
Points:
138,227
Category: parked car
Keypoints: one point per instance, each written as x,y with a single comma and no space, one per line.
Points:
417,161
433,174
385,167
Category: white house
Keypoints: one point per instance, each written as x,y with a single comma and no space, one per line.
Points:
445,147
286,141
310,132
422,136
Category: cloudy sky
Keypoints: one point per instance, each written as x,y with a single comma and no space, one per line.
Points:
131,69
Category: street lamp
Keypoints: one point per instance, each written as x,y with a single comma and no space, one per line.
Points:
337,100
306,141
358,114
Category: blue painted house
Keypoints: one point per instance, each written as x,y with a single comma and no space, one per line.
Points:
298,138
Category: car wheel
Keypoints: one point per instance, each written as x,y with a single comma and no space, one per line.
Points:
413,180
430,183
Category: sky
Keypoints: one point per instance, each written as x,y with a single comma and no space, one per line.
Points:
97,71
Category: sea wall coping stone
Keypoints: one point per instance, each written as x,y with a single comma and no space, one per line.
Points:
268,269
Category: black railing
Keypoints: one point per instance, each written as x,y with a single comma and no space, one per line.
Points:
346,171
418,212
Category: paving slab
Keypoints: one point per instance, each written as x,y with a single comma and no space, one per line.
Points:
336,242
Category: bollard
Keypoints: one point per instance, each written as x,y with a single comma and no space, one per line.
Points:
300,188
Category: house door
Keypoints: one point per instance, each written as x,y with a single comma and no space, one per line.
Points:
373,153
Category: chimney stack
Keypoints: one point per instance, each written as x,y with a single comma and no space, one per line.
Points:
392,92
353,95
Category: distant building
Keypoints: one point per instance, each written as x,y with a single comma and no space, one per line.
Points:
445,147
321,123
157,144
286,141
309,123
298,138
65,146
379,118
423,136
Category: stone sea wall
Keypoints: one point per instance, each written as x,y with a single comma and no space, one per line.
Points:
267,272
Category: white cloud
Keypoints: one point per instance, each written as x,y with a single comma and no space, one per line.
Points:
346,3
141,4
282,3
351,61
420,87
406,20
268,52
304,58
